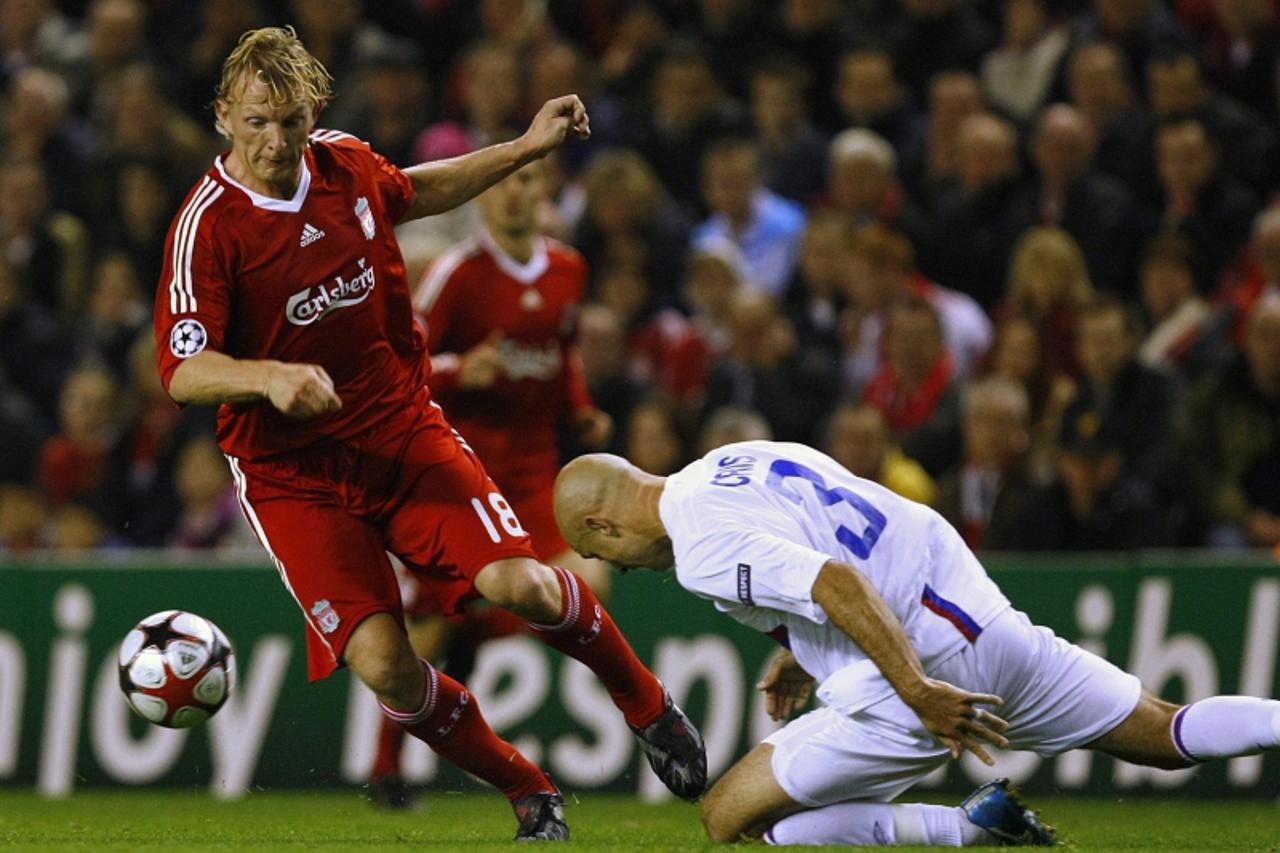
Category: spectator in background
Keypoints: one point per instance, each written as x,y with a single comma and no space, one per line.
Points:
1099,84
862,183
602,344
1095,503
1256,275
915,389
210,516
32,32
1135,27
1186,337
336,34
871,98
665,350
114,315
810,31
689,111
33,350
221,23
729,424
767,369
1231,443
115,37
1198,199
954,96
729,32
816,296
141,122
767,228
1017,75
714,276
882,270
857,436
1017,357
73,528
142,468
141,205
47,249
391,100
985,494
1049,284
1094,208
975,223
626,203
1177,88
937,35
39,125
791,150
1136,402
558,68
73,464
23,517
1244,51
654,442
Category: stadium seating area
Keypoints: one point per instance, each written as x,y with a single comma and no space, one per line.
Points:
1013,259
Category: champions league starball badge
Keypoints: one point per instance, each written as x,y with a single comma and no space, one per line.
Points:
187,338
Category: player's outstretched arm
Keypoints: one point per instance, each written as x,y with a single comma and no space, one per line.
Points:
951,714
444,184
211,378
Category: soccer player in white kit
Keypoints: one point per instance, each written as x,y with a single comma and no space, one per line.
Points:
877,601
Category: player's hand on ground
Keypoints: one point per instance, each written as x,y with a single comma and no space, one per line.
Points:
786,686
555,121
952,715
480,366
594,426
301,390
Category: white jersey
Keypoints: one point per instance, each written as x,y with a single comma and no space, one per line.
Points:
752,524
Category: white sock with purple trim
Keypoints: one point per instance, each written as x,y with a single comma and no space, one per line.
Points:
871,824
1226,726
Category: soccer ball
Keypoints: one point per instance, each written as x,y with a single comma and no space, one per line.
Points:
176,668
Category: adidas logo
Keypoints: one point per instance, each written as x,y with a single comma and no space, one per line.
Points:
310,234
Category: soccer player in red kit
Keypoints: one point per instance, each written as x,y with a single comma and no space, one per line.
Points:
500,311
284,299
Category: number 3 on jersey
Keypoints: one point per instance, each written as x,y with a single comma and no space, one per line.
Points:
506,517
784,469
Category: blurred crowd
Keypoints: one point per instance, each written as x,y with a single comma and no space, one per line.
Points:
1012,259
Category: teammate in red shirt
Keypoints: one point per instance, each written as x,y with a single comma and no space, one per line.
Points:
500,311
284,299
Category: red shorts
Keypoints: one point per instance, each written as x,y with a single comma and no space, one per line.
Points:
328,516
537,516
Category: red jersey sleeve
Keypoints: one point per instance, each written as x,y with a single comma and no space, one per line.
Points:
393,184
193,297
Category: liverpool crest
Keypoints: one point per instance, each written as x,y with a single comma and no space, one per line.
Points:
365,215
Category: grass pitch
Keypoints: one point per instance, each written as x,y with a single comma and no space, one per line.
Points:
180,822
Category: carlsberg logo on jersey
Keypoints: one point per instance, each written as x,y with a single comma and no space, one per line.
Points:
310,304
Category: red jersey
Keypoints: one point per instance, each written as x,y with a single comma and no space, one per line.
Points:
316,279
467,294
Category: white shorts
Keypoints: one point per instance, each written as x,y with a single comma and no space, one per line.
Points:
1057,697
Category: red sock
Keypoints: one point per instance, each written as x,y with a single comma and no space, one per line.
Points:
390,740
586,632
450,722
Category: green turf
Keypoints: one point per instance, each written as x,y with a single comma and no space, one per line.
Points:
177,822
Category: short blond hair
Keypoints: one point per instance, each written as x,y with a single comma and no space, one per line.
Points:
1046,248
277,57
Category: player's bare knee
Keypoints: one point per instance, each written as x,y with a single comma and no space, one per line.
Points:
718,829
522,586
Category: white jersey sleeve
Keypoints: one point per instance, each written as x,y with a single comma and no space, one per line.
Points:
756,569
